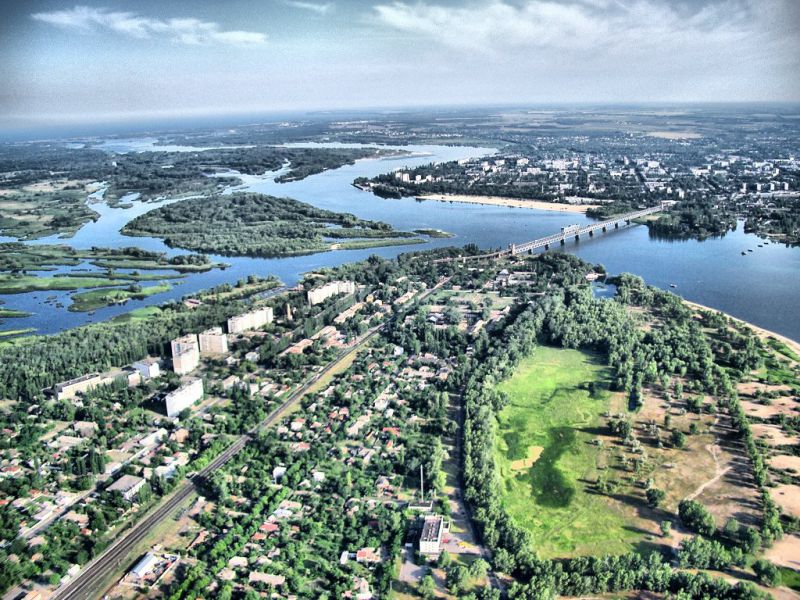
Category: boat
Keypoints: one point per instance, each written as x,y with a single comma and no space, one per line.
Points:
749,249
744,253
672,285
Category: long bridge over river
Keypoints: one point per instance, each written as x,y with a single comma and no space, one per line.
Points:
566,233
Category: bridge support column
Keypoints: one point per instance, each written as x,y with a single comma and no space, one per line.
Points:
627,221
616,225
563,241
577,237
591,233
604,228
546,247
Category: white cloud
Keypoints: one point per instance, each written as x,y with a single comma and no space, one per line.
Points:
591,26
317,7
189,30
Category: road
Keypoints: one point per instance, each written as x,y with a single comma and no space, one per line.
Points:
90,580
87,583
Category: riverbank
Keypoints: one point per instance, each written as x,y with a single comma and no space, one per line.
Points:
760,331
509,202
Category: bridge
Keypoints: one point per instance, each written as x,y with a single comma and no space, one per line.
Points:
566,233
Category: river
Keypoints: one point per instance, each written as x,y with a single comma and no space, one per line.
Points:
762,287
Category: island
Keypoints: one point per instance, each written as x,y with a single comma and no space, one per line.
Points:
35,203
248,224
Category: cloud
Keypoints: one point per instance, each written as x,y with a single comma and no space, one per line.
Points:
591,26
188,30
317,7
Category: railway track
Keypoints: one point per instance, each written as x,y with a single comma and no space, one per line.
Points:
90,581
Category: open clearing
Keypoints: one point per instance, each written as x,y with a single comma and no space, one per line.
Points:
779,406
773,435
787,497
785,461
551,408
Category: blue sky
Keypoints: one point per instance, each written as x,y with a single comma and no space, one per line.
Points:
79,62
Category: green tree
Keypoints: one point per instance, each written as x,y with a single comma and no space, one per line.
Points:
655,496
767,573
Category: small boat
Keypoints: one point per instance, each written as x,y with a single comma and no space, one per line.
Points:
749,249
672,285
744,253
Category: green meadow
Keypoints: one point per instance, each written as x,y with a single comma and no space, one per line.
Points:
546,457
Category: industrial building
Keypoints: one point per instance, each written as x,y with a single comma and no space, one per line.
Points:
433,528
67,390
128,486
186,395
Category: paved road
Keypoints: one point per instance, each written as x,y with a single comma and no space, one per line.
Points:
88,583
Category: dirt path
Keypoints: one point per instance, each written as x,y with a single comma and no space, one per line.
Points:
719,471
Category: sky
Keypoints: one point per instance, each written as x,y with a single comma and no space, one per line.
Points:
63,62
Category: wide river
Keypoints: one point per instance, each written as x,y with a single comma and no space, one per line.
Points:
762,287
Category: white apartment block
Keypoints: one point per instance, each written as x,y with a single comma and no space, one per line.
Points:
250,320
149,368
186,395
320,294
185,354
213,341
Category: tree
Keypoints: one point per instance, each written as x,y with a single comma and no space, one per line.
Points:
695,517
767,573
457,578
678,438
444,559
655,496
478,569
427,587
666,527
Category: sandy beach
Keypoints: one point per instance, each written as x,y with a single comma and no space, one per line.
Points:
512,202
760,331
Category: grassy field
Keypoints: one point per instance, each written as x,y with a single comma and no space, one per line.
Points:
94,299
20,284
550,422
14,332
7,313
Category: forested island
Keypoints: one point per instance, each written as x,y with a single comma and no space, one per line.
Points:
44,188
259,225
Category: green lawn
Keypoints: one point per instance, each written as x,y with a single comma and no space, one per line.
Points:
551,415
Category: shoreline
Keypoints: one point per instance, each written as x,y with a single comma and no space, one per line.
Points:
760,331
509,202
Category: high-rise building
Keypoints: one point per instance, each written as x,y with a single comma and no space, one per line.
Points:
250,320
186,395
185,354
320,294
213,341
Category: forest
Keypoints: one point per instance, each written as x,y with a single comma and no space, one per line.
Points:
256,225
36,202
